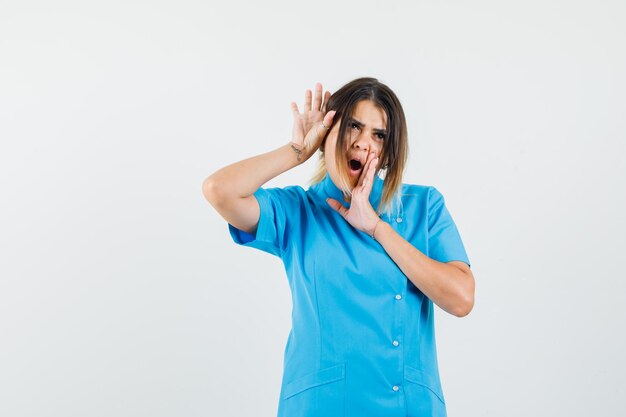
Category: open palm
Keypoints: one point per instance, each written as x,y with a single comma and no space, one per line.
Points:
306,125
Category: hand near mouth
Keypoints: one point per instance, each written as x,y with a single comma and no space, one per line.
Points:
361,215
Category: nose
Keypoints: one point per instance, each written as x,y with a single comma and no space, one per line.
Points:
362,141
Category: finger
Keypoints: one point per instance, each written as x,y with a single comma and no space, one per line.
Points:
317,103
326,98
307,100
294,109
296,132
369,179
363,175
328,119
337,206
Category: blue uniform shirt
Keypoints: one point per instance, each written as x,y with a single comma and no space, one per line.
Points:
362,341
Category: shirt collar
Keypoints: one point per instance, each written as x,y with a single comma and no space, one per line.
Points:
327,188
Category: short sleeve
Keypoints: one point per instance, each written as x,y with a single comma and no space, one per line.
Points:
444,240
271,234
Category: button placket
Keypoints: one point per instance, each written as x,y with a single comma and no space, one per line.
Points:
396,342
397,331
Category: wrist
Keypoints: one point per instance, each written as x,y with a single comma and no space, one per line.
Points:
300,151
376,226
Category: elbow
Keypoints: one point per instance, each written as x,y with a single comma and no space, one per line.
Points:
464,308
212,191
465,304
465,301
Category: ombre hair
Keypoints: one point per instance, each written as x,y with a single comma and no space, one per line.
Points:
395,145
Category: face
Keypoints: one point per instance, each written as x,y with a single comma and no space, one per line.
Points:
367,130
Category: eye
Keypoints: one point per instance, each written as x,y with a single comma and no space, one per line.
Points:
380,136
354,125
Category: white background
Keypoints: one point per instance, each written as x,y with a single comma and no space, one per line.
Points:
121,292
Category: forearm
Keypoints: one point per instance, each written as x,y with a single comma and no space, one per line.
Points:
446,285
243,178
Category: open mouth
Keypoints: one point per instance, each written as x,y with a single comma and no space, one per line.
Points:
355,165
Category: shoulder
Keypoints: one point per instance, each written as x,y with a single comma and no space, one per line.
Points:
415,189
421,198
416,193
290,195
289,191
429,194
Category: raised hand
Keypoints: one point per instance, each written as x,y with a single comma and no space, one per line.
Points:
308,131
361,215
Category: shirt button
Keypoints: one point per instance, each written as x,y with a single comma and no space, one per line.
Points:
398,297
399,220
395,388
396,343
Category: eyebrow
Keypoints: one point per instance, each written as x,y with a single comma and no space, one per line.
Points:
355,121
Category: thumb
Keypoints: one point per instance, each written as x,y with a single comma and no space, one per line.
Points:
337,206
328,120
318,132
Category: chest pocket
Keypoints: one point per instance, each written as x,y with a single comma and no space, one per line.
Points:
317,394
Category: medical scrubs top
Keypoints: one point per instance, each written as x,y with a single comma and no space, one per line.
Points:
362,341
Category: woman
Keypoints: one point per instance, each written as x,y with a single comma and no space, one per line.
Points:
366,257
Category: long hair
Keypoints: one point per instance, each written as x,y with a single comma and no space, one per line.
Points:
395,147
